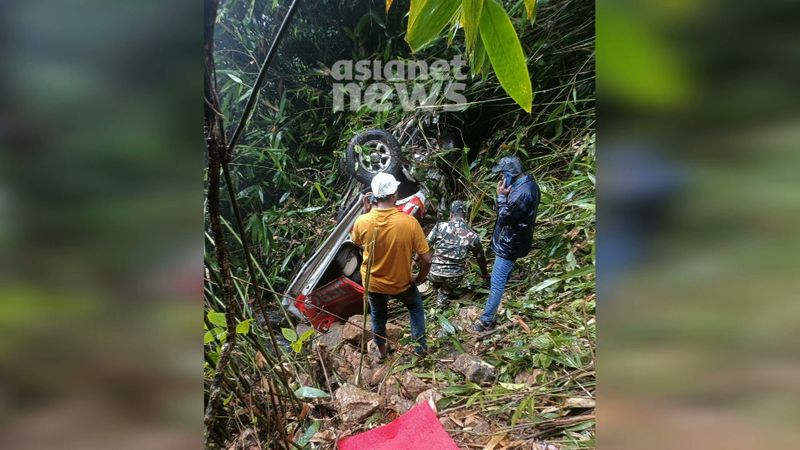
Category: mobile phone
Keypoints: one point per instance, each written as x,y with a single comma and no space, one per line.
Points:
508,179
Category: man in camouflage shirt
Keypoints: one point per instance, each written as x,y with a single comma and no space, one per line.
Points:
453,241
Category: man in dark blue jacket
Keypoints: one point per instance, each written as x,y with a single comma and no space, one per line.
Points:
517,204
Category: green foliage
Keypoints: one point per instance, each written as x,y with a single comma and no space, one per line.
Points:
217,318
427,18
297,345
486,19
289,334
471,20
244,326
530,8
505,53
309,433
310,392
288,180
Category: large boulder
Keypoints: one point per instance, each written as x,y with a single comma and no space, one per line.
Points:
332,337
474,368
354,404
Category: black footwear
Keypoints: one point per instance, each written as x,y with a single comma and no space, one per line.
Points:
480,327
384,351
422,351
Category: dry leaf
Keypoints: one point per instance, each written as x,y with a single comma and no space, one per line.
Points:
579,402
304,412
261,361
523,324
494,441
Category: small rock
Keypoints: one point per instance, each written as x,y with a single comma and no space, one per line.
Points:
545,446
366,375
346,361
353,333
528,378
481,433
354,404
351,354
579,402
473,368
399,404
378,375
412,385
430,394
390,388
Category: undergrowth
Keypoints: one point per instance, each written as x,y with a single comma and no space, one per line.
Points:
287,175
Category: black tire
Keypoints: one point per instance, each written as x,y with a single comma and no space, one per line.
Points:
387,155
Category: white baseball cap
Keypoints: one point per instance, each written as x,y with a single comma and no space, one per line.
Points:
384,185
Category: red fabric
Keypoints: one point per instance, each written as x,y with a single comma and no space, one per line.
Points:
417,429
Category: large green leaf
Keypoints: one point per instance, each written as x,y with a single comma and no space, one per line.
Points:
426,19
471,20
505,53
544,284
310,432
310,392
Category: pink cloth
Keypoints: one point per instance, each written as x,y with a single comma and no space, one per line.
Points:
417,429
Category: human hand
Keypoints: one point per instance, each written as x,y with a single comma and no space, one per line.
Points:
365,202
502,189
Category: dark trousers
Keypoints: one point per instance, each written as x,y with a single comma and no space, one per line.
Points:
411,298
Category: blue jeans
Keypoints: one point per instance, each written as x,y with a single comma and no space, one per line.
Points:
500,272
412,299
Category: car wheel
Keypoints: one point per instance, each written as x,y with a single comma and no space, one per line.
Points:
372,152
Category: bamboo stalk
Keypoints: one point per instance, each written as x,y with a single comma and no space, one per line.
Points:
371,258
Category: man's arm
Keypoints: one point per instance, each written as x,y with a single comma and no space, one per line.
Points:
510,210
423,252
355,235
433,236
424,262
477,249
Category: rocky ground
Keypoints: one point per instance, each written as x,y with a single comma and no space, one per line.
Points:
515,387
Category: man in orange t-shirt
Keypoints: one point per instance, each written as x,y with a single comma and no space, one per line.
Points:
399,236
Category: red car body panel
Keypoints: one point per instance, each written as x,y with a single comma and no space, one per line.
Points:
343,297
